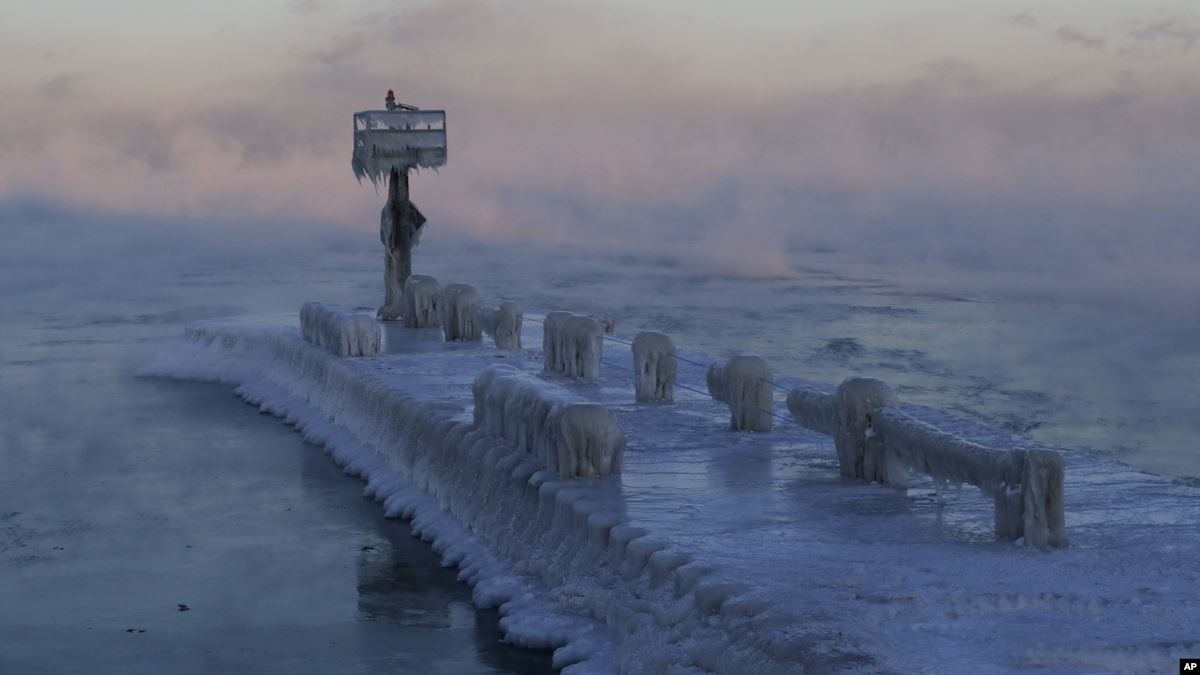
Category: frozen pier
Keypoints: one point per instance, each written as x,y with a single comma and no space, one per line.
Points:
720,551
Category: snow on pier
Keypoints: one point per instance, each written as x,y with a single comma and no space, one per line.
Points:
721,551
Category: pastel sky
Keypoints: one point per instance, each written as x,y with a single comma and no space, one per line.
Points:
960,129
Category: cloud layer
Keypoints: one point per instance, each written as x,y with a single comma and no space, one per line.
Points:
1069,144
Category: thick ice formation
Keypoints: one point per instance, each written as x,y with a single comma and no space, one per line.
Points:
386,141
582,347
744,382
685,562
393,286
813,408
876,441
552,327
1027,485
422,298
504,325
461,310
340,330
566,433
588,440
859,455
515,405
1044,517
572,345
392,311
560,558
655,367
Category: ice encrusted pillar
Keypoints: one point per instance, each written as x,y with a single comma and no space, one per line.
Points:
1045,523
654,366
861,454
399,230
747,390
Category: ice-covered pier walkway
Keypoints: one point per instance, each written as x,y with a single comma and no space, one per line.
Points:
716,551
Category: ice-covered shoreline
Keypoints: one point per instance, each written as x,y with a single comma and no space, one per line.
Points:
711,551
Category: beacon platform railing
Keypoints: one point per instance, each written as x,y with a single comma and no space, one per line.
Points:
386,140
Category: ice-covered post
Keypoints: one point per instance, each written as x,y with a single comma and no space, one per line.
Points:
503,323
387,144
1043,511
860,453
399,231
461,313
654,367
743,382
572,345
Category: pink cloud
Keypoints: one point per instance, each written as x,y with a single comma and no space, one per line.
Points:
566,123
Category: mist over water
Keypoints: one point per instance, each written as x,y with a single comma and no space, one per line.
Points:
1066,368
1000,343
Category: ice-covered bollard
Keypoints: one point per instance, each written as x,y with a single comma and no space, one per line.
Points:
568,434
654,367
361,336
422,295
1045,523
1032,508
572,345
340,330
860,453
743,382
504,325
552,332
460,308
584,346
587,438
748,393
